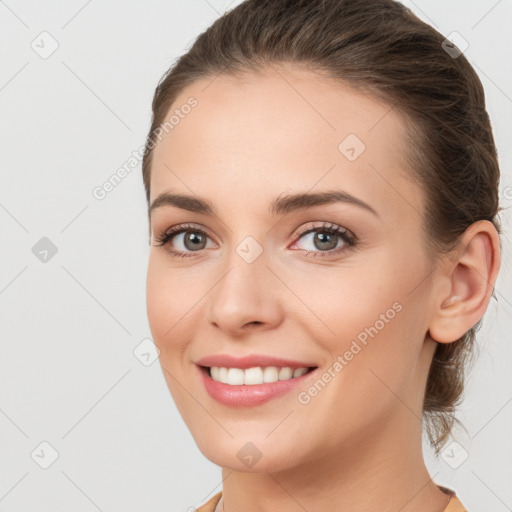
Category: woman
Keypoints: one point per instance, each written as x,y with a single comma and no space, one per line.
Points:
322,180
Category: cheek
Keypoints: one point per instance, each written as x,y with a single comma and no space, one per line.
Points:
167,307
348,300
366,316
169,300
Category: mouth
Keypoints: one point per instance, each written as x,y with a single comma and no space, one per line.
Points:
247,387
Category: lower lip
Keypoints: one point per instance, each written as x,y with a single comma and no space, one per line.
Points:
249,395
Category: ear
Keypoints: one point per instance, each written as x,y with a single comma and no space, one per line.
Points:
471,275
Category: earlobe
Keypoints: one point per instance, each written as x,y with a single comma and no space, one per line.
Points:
472,274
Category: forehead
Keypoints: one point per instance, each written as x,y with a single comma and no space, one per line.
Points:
284,129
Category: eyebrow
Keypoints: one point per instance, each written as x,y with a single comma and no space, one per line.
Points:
281,205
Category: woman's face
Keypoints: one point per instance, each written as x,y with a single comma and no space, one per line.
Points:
263,275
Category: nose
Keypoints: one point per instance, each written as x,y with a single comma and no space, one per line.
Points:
247,297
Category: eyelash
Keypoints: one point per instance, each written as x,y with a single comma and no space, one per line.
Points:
347,237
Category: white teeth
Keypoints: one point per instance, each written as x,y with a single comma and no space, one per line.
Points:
235,376
254,375
223,374
299,371
215,370
285,373
271,374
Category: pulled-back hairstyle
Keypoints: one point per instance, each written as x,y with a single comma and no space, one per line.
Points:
382,48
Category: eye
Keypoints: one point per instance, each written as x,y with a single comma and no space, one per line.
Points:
188,239
326,240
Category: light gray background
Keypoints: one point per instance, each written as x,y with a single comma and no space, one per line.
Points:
68,373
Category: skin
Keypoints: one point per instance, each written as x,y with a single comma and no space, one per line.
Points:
356,446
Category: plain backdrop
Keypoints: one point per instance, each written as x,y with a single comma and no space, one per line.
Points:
86,423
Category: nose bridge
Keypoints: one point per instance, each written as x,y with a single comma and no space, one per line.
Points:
246,291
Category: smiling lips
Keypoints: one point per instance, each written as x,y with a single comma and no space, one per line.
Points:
250,380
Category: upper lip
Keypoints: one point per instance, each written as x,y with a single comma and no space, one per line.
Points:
250,361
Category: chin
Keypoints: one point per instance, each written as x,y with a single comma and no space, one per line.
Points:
241,454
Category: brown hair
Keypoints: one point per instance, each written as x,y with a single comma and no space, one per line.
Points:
381,47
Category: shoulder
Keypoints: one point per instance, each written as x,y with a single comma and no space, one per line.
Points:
455,505
210,505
